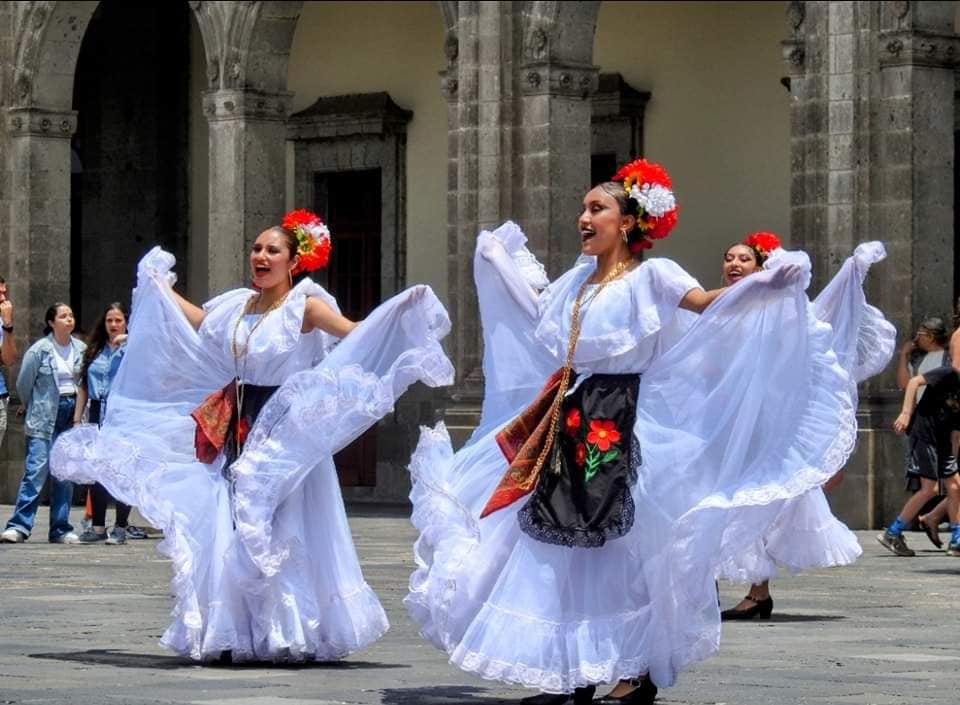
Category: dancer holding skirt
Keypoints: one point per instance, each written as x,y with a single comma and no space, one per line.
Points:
221,430
626,446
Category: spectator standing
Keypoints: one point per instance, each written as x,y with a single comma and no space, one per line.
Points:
105,348
47,387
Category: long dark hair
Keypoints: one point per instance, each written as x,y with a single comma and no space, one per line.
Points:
51,315
98,339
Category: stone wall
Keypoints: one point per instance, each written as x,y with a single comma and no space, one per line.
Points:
871,141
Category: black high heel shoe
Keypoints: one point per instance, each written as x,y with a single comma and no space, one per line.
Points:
761,608
644,692
584,696
581,696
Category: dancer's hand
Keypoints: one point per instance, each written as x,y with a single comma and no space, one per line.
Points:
491,247
901,423
785,275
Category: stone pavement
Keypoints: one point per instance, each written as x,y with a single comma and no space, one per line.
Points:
80,625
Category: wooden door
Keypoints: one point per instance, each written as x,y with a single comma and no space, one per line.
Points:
349,202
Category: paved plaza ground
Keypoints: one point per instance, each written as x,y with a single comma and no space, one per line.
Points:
80,625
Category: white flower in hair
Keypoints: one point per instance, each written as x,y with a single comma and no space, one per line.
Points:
655,200
318,231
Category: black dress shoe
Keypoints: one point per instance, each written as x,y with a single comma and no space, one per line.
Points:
547,699
761,608
643,693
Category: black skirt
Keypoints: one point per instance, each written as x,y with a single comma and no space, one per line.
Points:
254,397
582,497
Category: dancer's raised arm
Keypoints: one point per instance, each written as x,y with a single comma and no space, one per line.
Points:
319,315
194,313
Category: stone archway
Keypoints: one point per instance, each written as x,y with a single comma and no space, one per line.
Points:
39,125
247,46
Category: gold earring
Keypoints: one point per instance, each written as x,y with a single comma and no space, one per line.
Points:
623,233
290,277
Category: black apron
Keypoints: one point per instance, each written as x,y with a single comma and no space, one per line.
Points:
582,497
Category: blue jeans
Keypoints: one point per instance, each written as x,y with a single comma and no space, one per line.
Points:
36,470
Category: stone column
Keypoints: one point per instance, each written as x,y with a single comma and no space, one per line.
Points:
247,176
39,266
477,84
806,55
556,81
872,118
918,53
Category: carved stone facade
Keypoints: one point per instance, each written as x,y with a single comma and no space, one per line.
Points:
872,124
872,141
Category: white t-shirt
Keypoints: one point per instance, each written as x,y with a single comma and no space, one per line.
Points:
65,362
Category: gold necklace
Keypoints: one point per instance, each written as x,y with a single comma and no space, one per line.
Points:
240,353
575,323
237,350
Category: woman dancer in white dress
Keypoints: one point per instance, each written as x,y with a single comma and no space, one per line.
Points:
586,582
806,534
256,385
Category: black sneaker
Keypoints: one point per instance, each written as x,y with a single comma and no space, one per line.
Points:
135,532
91,535
895,544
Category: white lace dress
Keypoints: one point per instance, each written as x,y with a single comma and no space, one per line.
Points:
739,411
264,564
806,534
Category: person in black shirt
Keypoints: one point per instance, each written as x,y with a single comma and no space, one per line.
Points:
931,456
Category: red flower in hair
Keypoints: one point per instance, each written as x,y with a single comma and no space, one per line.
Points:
643,172
764,242
650,186
313,239
638,246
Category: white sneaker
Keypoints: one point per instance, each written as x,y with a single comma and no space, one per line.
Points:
69,537
12,536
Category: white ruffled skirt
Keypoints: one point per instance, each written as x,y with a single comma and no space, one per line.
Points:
720,462
270,573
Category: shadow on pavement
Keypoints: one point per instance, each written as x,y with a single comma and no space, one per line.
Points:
785,618
126,659
442,695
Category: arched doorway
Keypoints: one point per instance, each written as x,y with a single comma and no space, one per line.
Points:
132,97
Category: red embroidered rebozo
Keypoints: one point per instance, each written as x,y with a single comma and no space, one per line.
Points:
521,442
213,418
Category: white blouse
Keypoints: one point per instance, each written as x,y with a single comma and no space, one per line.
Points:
622,329
277,348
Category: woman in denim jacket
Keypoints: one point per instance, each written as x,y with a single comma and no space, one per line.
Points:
47,387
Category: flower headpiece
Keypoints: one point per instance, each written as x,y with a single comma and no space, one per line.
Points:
763,243
649,185
313,240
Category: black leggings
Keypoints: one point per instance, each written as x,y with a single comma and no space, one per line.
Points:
100,498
